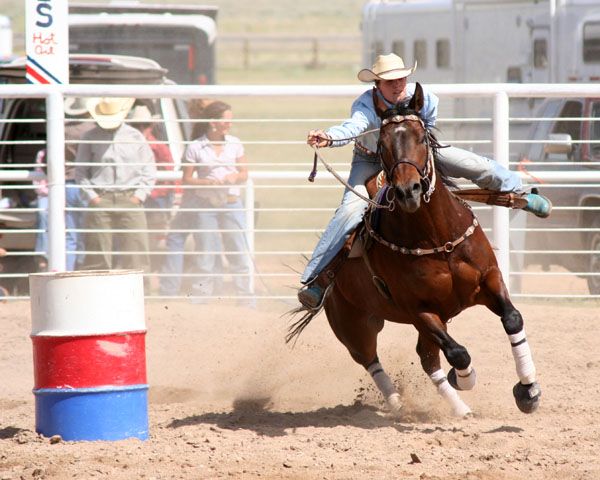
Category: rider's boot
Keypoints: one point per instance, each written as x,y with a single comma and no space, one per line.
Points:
311,296
537,204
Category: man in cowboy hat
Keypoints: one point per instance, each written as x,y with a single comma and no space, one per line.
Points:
118,172
390,77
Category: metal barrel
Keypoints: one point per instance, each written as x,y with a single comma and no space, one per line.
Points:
88,335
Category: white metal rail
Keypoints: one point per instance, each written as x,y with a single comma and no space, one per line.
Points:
54,95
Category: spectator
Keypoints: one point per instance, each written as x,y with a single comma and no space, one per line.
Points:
75,127
117,172
214,162
161,197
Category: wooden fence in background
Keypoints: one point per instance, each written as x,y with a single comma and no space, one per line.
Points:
311,51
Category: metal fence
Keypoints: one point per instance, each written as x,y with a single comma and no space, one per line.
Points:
284,214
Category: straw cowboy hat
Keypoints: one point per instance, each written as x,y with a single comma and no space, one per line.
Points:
109,113
141,113
75,106
386,67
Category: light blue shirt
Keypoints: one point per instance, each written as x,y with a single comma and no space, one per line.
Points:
363,118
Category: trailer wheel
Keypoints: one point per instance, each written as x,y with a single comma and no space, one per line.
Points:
594,263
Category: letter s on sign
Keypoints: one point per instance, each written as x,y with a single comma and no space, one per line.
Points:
44,10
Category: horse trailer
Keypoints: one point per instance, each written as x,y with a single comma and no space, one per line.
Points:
487,41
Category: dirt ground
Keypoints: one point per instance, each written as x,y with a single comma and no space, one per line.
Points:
228,399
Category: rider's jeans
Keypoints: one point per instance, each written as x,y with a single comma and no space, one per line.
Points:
452,161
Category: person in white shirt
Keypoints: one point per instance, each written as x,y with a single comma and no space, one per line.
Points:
215,163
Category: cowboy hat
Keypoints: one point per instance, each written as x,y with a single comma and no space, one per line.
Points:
386,67
141,113
75,106
109,112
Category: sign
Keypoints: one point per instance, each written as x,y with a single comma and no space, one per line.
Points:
47,41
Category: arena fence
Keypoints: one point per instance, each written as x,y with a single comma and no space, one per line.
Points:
284,214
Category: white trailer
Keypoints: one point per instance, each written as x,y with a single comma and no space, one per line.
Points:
487,41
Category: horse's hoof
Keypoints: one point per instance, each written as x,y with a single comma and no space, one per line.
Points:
459,382
462,410
527,397
394,404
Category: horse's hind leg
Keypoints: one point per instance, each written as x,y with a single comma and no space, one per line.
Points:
429,353
495,296
358,332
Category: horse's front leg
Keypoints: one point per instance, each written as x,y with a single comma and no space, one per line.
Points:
358,332
428,349
495,296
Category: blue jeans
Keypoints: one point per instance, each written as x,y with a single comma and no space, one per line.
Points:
73,242
207,241
452,161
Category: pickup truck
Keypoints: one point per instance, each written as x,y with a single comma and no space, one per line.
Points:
569,141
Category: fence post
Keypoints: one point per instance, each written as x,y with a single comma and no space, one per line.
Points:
501,215
55,159
249,207
246,53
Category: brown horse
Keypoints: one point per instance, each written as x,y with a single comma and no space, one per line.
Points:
426,259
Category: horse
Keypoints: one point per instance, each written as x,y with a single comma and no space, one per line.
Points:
444,265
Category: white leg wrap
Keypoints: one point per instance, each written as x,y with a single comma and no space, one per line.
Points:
444,388
384,384
523,359
466,378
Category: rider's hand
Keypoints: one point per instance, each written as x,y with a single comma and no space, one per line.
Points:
318,138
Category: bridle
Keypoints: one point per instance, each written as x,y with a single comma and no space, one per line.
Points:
427,173
427,177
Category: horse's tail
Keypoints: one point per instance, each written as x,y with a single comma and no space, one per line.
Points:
296,328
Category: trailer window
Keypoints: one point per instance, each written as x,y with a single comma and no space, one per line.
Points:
591,42
398,48
570,113
540,53
442,53
420,53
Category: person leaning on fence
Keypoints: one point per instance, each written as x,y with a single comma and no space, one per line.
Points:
390,77
215,163
115,168
75,126
160,200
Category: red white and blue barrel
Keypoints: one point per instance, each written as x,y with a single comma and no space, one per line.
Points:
88,334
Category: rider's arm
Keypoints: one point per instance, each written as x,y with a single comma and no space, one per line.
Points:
362,118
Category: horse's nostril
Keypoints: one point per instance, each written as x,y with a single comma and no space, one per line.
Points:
400,193
416,187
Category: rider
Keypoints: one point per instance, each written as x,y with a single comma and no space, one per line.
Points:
390,76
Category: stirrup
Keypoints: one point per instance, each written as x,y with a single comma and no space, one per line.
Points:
321,303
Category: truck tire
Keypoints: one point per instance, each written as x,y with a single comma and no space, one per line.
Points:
594,260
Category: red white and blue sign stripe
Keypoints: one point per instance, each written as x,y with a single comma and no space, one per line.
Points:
36,73
89,368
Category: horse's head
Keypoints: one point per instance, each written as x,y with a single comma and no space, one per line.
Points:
405,152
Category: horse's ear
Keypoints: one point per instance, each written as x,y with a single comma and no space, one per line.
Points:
418,99
379,104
